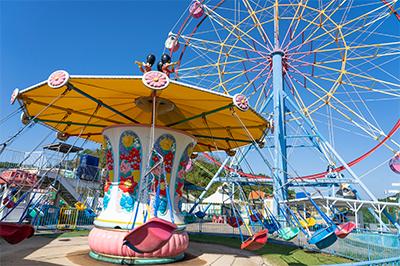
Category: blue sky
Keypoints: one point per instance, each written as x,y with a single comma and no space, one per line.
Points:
105,38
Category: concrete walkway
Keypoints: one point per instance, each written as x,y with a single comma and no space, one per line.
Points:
42,250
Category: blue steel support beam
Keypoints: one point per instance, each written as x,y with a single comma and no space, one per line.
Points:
280,163
212,181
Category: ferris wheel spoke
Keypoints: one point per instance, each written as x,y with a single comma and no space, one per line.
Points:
216,52
360,57
321,22
312,22
347,108
222,83
289,31
364,104
297,96
258,24
326,50
352,31
235,88
220,44
262,88
251,82
357,29
221,20
375,65
346,72
220,63
366,88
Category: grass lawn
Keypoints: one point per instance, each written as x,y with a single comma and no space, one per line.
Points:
276,254
66,234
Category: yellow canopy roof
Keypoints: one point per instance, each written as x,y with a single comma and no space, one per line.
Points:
91,103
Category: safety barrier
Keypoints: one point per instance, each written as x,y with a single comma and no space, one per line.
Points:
390,261
50,218
68,218
62,218
354,246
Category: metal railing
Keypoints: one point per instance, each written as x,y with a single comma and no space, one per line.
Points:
352,247
62,218
390,261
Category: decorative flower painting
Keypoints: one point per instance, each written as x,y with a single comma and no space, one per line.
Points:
165,146
182,170
109,173
129,168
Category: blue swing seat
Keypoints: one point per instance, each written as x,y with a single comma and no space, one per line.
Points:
288,233
90,213
324,237
270,226
200,214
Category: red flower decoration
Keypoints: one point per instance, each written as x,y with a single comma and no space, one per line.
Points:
179,189
107,186
127,185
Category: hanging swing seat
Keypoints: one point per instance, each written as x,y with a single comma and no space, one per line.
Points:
324,237
344,229
308,222
256,217
8,202
150,236
311,222
14,233
90,213
272,228
288,233
80,206
200,214
256,242
33,212
235,223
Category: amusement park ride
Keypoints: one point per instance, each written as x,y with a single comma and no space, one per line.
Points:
252,79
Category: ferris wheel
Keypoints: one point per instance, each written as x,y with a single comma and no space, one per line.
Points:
334,61
336,56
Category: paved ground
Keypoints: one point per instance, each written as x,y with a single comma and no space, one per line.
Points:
41,250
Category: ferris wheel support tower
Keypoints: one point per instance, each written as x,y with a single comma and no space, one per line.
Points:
280,149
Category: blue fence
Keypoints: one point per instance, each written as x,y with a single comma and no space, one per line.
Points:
361,246
390,261
50,218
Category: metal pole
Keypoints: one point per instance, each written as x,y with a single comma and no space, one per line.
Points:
198,201
280,163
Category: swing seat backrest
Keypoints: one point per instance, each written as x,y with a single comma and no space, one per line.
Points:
150,236
256,242
288,233
8,202
232,221
200,214
345,229
256,217
14,233
90,213
311,222
324,237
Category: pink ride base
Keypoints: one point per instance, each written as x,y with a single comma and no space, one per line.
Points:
110,243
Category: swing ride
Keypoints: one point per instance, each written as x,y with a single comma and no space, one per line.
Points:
146,163
243,84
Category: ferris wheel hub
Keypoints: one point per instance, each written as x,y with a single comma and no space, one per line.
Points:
277,52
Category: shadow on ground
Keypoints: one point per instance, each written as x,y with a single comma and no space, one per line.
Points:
13,255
